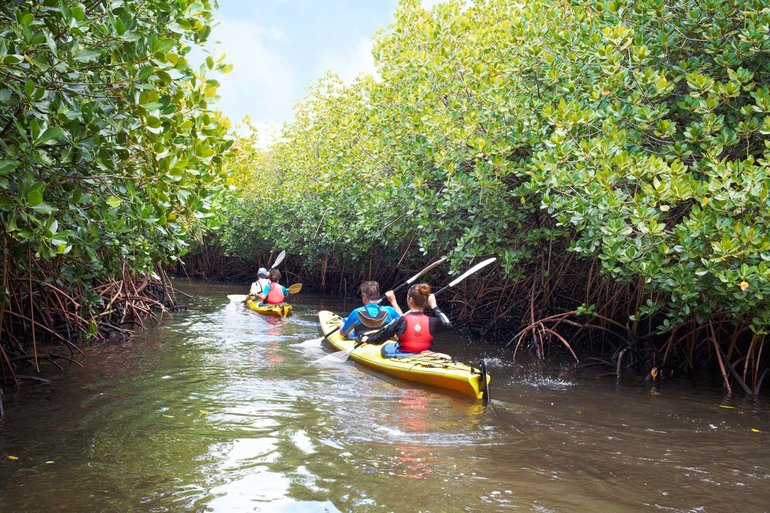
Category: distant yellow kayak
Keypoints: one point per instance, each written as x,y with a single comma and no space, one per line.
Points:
279,310
430,368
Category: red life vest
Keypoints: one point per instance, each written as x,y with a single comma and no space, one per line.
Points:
275,296
416,337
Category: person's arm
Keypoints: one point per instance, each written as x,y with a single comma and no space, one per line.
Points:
264,293
347,326
438,322
394,327
285,291
391,296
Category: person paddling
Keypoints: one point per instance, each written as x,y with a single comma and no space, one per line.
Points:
414,329
274,293
371,316
259,286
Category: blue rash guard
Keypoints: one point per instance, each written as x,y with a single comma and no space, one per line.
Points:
372,309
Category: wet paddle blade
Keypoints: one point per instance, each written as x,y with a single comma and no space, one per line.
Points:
337,357
235,298
294,289
311,343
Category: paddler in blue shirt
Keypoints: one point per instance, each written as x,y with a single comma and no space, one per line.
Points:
371,316
274,293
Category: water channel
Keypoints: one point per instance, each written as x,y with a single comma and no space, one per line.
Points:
222,410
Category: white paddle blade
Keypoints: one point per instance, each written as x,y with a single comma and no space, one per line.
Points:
278,259
313,343
235,298
472,270
337,357
430,267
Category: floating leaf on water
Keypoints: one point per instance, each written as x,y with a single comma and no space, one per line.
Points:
755,430
13,457
727,407
168,416
204,411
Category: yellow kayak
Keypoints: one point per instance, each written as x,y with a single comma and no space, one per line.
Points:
430,368
279,310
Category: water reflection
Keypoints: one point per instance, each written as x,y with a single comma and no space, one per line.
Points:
221,409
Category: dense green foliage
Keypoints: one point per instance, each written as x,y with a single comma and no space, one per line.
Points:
630,134
111,152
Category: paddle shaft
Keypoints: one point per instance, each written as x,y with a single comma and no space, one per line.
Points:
414,278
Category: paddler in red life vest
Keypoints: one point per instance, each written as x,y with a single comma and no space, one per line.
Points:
371,316
274,293
414,329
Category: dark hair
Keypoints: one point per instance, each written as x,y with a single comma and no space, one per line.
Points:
419,293
371,289
275,275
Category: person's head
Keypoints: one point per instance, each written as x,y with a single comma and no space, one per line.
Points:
262,273
370,290
418,295
275,275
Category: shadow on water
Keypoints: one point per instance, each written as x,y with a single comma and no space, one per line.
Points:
220,409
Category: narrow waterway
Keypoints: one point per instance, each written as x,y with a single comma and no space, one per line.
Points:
220,409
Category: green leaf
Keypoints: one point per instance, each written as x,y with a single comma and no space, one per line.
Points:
35,197
51,42
44,208
87,55
195,8
78,12
6,166
113,201
50,136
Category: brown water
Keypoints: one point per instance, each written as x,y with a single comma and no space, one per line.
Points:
220,409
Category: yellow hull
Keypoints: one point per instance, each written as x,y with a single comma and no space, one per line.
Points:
430,368
280,310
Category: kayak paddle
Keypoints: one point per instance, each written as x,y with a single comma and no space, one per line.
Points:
414,278
467,273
